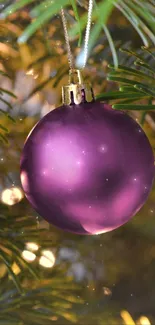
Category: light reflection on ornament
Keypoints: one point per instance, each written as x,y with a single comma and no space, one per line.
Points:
32,246
103,148
28,256
47,259
12,196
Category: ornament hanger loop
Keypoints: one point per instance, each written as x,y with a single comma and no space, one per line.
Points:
87,36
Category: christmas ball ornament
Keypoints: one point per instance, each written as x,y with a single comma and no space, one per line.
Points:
85,167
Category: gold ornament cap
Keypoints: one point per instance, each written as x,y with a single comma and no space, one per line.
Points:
77,91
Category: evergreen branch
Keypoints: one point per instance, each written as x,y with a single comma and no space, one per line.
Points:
47,14
39,303
5,259
140,15
76,14
138,82
134,107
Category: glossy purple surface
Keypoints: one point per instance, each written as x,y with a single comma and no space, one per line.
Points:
87,168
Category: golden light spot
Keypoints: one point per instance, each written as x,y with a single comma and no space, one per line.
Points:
144,321
127,318
47,259
32,246
28,256
12,196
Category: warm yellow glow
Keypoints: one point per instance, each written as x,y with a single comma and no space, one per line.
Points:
30,72
47,259
107,291
49,254
15,268
144,321
32,246
127,318
54,318
36,76
28,256
44,261
11,195
5,49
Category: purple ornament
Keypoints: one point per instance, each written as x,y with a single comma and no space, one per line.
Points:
87,168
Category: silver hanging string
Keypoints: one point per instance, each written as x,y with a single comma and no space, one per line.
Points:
69,52
87,35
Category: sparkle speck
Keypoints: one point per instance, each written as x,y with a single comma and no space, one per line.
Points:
107,291
103,149
107,179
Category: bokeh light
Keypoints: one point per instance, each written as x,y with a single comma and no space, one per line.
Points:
32,246
144,321
28,256
47,259
11,195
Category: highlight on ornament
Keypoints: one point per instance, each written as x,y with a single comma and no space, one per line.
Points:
11,195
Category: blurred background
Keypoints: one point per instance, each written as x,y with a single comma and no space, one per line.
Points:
47,275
